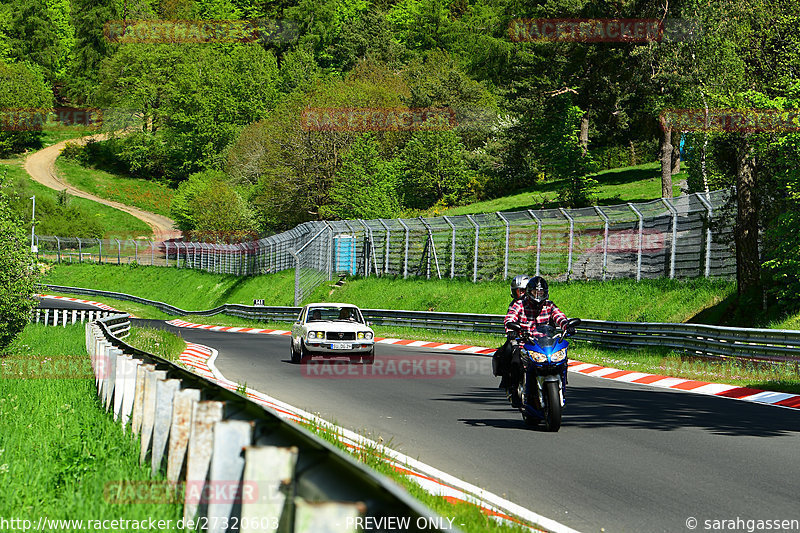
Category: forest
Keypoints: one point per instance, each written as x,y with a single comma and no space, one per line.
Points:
218,94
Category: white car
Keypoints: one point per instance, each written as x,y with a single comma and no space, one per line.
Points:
332,330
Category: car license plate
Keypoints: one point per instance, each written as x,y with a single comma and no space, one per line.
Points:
342,346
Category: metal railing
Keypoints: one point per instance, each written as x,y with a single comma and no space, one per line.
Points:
211,438
771,345
684,237
58,316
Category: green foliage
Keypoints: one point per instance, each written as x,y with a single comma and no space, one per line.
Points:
208,206
433,170
17,274
560,149
90,46
365,186
22,87
194,100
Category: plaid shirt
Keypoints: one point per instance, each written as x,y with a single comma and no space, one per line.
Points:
523,312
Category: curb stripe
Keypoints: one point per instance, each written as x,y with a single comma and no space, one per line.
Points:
721,390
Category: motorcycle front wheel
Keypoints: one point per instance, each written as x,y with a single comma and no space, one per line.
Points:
552,411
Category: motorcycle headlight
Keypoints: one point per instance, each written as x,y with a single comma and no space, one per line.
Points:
539,357
558,356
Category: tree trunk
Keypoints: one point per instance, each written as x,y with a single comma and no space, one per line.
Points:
666,163
676,154
584,139
632,148
748,265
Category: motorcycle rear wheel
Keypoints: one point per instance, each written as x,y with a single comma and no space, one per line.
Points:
552,411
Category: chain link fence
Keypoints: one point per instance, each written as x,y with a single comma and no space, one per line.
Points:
684,237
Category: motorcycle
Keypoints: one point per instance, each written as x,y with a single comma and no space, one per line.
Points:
543,380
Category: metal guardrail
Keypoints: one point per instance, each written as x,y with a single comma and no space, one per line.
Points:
58,316
219,442
773,345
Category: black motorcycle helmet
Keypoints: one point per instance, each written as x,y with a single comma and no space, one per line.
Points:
537,290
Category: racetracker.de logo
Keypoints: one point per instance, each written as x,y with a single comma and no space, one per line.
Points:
198,31
586,30
377,119
198,492
50,367
731,120
386,367
30,119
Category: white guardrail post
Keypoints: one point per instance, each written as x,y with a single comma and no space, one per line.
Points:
639,241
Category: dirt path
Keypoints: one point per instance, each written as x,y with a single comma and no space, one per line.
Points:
41,167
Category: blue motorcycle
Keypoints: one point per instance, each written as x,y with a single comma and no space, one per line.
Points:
543,379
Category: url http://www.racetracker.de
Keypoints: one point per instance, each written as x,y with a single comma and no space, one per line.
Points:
44,523
742,524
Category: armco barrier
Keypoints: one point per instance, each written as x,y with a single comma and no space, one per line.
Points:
771,345
61,317
285,478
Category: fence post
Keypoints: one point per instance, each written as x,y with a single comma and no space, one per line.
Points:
152,252
432,250
58,243
639,253
452,247
673,248
135,251
538,237
386,259
371,249
710,210
505,254
329,255
571,240
80,250
405,256
605,239
475,258
119,252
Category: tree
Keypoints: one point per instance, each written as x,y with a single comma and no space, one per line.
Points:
17,274
365,186
433,170
22,87
91,46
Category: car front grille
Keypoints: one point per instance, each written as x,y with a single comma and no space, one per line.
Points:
343,336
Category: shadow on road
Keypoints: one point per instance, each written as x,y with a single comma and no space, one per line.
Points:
598,407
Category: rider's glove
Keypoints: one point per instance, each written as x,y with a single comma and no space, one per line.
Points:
511,335
571,330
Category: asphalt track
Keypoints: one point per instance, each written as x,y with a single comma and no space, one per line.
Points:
627,458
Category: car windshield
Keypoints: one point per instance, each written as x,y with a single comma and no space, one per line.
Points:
340,313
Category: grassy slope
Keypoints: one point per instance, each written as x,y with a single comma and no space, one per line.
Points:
144,194
58,449
188,289
639,183
115,223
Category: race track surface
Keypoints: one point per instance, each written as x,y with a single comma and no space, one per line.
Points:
627,457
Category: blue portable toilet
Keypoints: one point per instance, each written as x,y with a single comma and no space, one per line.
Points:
345,253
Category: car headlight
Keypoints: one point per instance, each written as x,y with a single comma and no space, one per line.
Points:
360,334
368,335
558,356
312,335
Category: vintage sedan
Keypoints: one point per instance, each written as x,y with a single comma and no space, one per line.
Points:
332,330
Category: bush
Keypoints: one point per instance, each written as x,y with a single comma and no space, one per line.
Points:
17,275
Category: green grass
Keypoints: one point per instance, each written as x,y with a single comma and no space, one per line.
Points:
191,290
58,448
157,342
639,183
113,222
145,194
468,518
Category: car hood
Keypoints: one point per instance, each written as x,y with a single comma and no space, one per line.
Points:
332,325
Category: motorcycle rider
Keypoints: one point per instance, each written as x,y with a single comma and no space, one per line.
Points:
522,318
502,357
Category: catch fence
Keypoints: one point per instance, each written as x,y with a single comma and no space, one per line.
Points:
685,237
